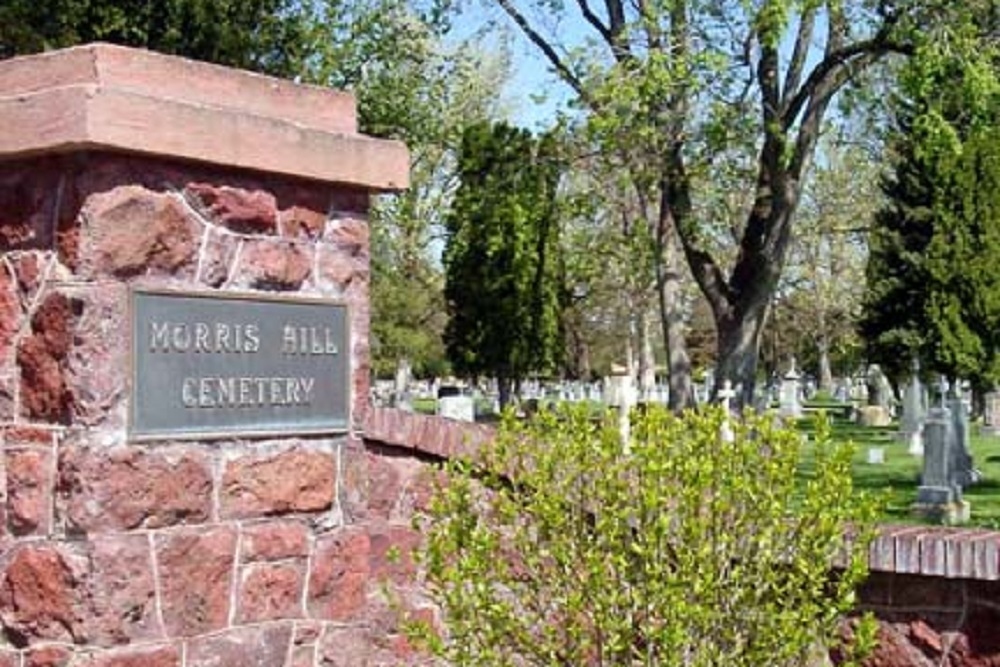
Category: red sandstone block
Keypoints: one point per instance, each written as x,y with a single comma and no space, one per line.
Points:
242,647
42,357
11,313
48,656
295,480
29,491
341,570
10,659
39,596
274,541
147,656
27,436
302,222
121,591
270,591
273,264
217,257
392,551
237,209
195,575
133,231
155,114
303,656
337,271
130,487
307,632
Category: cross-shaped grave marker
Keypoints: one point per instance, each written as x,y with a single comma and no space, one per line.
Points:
726,394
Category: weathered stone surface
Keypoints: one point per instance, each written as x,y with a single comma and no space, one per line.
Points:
350,202
133,231
121,593
303,656
349,647
274,541
292,481
273,265
338,270
245,647
147,656
392,551
10,310
195,575
244,211
351,235
48,656
302,222
338,583
97,366
10,659
7,385
29,491
38,596
42,357
217,258
128,487
270,591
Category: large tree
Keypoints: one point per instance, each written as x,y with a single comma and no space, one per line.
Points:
263,35
502,272
676,86
934,270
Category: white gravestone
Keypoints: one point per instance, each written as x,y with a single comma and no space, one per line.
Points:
726,394
460,408
911,426
789,405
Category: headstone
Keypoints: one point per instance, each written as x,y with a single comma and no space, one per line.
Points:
619,393
963,471
726,394
991,413
789,405
879,389
911,427
939,496
458,407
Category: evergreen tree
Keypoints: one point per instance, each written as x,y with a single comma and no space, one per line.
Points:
501,283
934,267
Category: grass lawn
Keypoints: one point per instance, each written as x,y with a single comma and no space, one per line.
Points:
896,480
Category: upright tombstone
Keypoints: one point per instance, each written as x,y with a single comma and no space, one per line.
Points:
184,363
939,496
619,393
963,470
789,403
991,413
911,426
725,395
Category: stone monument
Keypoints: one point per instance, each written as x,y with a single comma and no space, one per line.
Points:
911,426
789,404
939,497
184,376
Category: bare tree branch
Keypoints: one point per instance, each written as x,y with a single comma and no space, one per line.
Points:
564,71
594,20
803,41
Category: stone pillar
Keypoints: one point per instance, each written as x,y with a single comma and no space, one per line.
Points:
123,170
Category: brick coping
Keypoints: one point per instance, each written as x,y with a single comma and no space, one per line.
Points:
101,96
946,552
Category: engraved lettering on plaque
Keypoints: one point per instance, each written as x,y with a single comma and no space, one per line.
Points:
221,365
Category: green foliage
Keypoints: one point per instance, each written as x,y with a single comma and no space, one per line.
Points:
554,547
934,268
500,258
263,35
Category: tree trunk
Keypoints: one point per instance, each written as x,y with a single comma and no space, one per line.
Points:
738,348
668,287
825,372
647,362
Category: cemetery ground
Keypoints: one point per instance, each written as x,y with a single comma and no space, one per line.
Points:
894,481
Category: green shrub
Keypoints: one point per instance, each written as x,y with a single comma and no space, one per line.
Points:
553,547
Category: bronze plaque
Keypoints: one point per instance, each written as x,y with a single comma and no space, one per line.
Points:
216,365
